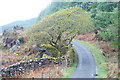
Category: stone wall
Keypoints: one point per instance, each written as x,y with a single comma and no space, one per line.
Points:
22,67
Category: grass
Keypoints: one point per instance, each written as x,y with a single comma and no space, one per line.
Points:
100,60
69,71
114,44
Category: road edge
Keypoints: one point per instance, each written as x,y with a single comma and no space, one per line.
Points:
102,69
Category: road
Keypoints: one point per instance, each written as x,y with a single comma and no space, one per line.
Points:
86,67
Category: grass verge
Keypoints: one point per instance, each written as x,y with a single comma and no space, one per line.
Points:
100,60
69,71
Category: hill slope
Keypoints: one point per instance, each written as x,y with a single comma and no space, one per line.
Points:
23,23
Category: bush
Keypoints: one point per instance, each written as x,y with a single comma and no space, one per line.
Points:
50,49
21,39
72,55
107,36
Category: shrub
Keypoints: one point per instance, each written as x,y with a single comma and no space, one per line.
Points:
107,36
72,55
21,39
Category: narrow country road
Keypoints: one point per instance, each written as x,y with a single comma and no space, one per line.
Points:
86,67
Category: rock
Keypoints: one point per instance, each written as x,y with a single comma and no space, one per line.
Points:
13,49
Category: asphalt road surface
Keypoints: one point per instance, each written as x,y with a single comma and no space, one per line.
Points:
86,67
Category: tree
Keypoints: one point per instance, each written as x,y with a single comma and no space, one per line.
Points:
109,21
59,28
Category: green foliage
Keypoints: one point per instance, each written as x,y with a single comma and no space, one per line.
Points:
72,55
51,49
71,18
68,72
73,59
104,14
109,22
59,28
21,39
107,6
56,6
106,19
105,35
38,38
91,7
114,44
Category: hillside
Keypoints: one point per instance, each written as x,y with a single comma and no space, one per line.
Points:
23,23
52,44
105,19
104,16
91,7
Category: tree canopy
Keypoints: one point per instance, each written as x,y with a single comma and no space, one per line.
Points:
59,28
71,18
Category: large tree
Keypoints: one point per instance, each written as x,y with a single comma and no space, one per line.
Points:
59,28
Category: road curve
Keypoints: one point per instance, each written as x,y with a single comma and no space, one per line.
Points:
86,67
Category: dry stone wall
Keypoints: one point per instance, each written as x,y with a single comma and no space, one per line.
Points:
24,66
